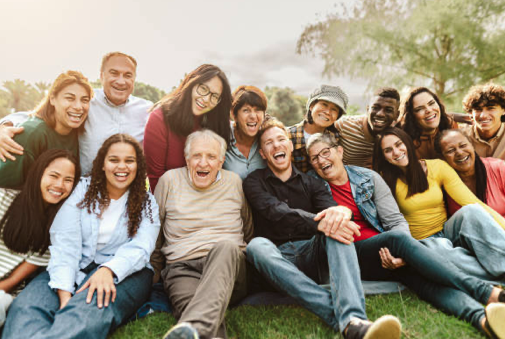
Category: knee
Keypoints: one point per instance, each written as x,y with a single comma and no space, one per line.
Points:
472,212
260,248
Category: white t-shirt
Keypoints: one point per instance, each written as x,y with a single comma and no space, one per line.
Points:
110,218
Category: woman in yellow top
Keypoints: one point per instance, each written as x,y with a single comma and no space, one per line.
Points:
418,187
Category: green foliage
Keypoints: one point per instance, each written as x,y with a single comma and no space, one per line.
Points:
354,110
285,105
148,92
21,96
448,45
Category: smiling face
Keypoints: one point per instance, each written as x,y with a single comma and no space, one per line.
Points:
204,162
71,107
426,112
488,120
458,152
201,104
57,180
118,79
330,168
249,120
395,151
324,113
276,149
120,167
382,112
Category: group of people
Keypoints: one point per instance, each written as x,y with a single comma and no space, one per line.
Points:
207,194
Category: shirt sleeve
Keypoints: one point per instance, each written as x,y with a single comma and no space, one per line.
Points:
271,208
155,147
16,118
134,255
460,193
66,242
387,208
160,193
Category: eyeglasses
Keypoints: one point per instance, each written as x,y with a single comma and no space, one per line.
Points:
204,90
324,153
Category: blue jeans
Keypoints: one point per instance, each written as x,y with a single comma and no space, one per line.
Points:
431,277
35,312
475,230
297,267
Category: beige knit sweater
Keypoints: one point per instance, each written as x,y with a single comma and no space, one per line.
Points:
193,220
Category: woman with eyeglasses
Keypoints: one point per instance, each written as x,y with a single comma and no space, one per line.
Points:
423,116
418,186
202,100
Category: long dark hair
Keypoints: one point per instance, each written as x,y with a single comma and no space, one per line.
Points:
480,169
25,225
409,123
98,196
177,109
417,181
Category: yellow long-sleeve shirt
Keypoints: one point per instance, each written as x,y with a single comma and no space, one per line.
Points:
425,212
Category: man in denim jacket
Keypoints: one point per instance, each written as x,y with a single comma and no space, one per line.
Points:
385,249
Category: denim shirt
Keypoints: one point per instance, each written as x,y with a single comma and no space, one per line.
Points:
374,199
74,237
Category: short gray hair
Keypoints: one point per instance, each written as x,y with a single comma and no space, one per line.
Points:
326,138
207,135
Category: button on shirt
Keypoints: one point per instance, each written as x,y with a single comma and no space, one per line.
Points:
106,119
285,211
236,162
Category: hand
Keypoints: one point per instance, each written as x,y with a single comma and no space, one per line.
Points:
331,219
345,234
388,261
101,281
64,298
7,145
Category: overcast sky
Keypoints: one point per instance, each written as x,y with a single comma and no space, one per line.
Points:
254,42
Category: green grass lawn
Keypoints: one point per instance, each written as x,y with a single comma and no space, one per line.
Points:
419,320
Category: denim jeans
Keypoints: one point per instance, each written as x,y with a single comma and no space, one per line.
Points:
427,274
475,230
35,312
297,267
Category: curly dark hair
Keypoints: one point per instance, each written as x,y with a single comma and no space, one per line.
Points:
138,198
409,123
484,96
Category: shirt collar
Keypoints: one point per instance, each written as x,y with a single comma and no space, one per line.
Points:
269,174
497,136
111,104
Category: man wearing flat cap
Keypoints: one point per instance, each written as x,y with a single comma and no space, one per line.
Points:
325,105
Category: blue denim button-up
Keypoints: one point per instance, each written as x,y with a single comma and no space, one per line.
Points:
74,237
374,199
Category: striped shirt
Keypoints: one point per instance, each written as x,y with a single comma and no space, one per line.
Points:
357,141
10,260
193,220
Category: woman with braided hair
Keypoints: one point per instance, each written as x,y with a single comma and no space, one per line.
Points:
101,241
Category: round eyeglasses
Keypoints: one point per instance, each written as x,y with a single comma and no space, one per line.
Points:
204,90
324,153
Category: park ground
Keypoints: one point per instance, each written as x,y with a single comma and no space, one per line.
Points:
419,321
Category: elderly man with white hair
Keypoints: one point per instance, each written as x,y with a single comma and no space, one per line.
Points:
205,225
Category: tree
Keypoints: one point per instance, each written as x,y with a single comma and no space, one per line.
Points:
148,92
285,105
21,95
448,45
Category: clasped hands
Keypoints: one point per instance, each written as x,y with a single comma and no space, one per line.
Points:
335,222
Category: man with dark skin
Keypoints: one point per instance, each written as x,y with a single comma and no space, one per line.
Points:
357,133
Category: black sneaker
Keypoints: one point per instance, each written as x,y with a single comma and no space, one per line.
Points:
495,320
182,331
386,327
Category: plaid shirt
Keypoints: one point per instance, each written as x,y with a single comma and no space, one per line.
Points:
299,157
